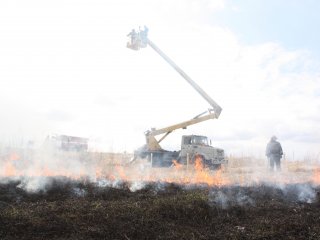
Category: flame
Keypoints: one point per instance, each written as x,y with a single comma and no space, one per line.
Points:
198,164
177,165
316,176
15,166
9,170
194,173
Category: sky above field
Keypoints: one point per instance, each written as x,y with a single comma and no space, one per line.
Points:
65,68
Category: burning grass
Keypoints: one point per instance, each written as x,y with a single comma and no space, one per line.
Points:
100,197
81,209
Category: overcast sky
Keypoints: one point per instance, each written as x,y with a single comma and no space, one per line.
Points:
65,68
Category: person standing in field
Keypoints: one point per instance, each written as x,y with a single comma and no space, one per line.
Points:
274,153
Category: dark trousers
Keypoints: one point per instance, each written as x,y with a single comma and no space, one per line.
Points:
275,161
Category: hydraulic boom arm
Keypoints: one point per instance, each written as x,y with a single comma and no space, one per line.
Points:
216,108
140,40
153,143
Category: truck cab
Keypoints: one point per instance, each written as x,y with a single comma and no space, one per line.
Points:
196,146
67,143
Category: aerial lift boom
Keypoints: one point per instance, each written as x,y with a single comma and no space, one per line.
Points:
215,107
154,144
140,40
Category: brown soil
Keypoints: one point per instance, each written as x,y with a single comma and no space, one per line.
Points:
68,209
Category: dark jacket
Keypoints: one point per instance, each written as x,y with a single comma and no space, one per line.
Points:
274,149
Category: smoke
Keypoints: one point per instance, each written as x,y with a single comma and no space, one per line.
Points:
241,184
249,179
300,193
33,168
34,184
79,192
225,198
248,196
135,186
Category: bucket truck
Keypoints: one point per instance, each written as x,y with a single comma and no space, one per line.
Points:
192,146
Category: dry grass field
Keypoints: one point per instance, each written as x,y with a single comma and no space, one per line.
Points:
103,196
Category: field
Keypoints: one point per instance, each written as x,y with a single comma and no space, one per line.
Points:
243,201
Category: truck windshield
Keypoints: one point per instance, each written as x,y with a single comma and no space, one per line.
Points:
199,140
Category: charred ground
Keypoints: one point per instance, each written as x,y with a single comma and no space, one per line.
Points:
68,209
